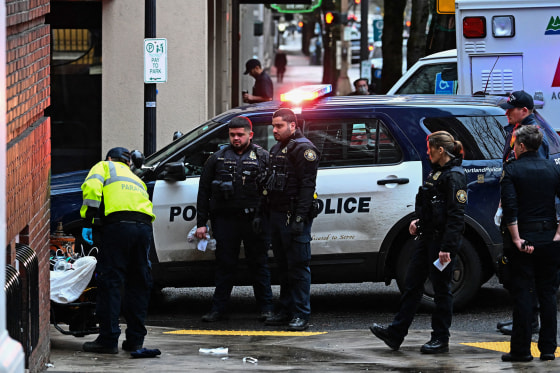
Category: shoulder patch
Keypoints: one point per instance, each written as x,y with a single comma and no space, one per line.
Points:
461,196
310,155
436,175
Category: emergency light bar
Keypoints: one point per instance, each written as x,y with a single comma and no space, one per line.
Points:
306,93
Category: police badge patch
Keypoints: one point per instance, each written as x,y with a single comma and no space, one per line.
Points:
310,155
461,196
252,155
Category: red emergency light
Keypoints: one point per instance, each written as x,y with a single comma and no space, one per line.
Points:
474,27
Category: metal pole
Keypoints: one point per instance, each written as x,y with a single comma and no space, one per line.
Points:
364,42
235,53
150,109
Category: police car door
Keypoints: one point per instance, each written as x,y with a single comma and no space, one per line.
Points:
367,181
175,201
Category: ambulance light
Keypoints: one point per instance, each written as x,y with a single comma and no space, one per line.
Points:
306,93
503,26
474,27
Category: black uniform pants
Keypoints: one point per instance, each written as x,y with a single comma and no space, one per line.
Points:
123,260
292,253
229,231
420,267
536,272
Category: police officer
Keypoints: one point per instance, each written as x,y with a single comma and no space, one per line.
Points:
529,186
230,195
114,193
291,189
440,206
519,112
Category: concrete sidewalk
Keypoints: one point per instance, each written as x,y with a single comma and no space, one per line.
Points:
338,351
298,70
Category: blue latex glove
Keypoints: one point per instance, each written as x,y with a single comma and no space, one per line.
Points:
87,235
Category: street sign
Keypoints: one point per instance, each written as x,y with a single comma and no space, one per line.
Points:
365,70
155,60
377,29
296,8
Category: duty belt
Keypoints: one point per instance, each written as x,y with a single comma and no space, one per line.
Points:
538,226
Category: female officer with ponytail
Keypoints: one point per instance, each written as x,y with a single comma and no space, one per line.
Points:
440,205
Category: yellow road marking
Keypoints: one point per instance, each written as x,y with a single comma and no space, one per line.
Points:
244,332
504,347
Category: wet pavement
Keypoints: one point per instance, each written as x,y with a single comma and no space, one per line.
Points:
263,350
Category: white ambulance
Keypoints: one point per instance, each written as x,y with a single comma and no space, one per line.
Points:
502,46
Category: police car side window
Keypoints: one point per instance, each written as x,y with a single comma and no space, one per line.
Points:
553,140
353,143
196,155
262,135
482,137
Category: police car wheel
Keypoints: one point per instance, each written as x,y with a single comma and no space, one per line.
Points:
467,275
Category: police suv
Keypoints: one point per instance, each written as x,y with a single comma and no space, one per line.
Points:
372,161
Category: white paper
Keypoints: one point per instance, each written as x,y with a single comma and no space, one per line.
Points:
202,245
440,266
498,216
215,351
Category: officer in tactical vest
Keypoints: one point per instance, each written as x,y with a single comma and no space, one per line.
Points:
230,195
291,201
440,208
115,194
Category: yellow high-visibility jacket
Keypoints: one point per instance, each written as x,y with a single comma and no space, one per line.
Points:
118,187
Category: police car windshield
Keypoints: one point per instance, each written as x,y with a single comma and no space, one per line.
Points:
174,147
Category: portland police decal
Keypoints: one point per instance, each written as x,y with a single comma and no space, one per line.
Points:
310,155
461,196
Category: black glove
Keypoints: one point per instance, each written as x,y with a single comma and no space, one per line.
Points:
257,225
297,226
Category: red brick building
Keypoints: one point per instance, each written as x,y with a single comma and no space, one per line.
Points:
28,154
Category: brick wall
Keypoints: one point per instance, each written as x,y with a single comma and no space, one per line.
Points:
28,147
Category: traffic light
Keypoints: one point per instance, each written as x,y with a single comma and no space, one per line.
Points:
335,18
332,18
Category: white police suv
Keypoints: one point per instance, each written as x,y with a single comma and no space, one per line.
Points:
373,159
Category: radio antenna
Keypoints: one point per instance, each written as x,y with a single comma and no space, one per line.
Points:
490,75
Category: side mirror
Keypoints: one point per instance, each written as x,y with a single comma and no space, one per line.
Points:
173,171
137,158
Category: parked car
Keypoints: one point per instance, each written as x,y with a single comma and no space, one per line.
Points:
373,159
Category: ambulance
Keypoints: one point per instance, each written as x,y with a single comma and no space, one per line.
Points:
502,46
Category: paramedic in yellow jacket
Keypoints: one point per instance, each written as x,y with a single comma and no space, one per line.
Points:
113,193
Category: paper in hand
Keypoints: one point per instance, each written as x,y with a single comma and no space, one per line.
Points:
439,265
